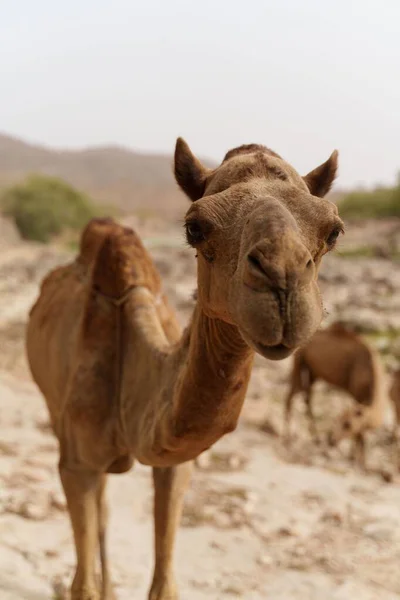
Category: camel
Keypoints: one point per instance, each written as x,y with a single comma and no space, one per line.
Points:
343,359
394,394
120,380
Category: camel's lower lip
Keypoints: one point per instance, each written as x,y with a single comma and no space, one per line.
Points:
277,352
274,352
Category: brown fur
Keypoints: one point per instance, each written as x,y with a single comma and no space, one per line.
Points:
394,394
343,359
320,180
120,381
249,149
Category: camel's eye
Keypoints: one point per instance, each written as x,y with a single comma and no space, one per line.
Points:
196,232
346,425
333,236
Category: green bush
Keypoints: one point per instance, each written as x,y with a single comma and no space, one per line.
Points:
374,204
43,207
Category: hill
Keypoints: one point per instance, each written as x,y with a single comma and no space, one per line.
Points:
113,175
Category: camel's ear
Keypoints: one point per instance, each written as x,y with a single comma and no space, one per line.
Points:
190,174
319,181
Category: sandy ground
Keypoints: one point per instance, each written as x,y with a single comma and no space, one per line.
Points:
260,520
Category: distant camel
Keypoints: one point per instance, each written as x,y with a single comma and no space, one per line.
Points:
121,383
343,359
394,393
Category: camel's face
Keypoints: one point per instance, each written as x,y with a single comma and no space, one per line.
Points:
352,423
260,235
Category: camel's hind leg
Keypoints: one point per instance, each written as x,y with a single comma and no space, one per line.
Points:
300,381
288,411
310,413
170,485
102,513
81,488
359,451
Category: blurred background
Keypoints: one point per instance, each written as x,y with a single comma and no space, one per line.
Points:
93,97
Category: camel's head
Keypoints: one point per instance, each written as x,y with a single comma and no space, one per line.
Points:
260,231
350,424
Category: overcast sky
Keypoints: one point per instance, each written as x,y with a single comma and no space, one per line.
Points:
302,76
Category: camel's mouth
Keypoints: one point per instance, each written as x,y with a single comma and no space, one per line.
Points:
273,352
278,352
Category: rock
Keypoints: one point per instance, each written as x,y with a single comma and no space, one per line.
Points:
378,532
286,531
387,476
333,516
265,560
58,501
222,520
269,428
203,461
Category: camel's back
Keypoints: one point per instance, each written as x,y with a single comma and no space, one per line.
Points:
56,316
111,260
334,355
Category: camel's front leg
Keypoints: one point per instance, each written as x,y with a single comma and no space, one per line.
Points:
310,415
170,485
102,508
81,488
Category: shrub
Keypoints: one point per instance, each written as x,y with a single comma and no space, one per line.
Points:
374,204
42,207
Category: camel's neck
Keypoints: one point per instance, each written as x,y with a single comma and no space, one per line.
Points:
210,393
189,394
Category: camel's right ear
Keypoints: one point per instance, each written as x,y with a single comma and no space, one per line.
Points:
190,174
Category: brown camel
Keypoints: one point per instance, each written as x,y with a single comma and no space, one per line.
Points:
394,394
343,359
119,380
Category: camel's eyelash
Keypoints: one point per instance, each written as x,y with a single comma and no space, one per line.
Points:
332,238
194,232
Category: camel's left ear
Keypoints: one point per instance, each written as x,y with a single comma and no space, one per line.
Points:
319,181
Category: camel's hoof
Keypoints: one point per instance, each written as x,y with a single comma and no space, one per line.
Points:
163,589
